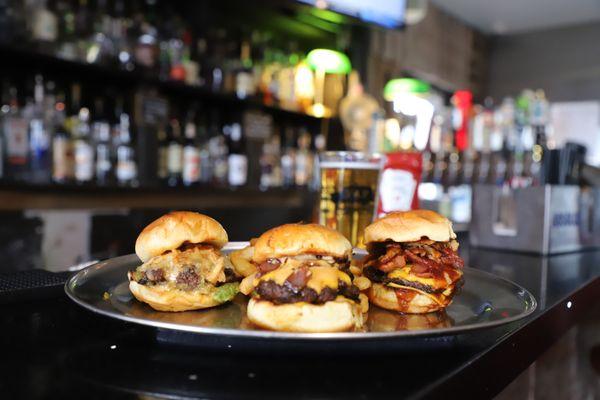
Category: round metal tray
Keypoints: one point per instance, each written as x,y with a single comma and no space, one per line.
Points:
484,301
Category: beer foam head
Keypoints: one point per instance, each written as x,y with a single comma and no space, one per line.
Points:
348,165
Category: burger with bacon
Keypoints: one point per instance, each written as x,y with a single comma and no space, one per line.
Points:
303,282
412,262
183,268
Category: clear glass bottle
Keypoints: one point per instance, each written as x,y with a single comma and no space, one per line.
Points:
61,155
127,173
163,153
288,160
82,148
101,137
191,155
45,26
40,161
304,160
237,159
174,154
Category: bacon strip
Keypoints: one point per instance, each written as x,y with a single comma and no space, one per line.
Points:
299,278
268,266
427,258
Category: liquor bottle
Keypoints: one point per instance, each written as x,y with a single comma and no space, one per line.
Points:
288,157
217,39
83,29
191,67
119,37
483,135
237,160
204,154
101,49
174,154
101,136
245,85
61,155
82,148
217,147
163,153
497,169
15,138
191,154
40,162
320,146
4,110
67,38
177,70
44,26
270,169
304,160
126,164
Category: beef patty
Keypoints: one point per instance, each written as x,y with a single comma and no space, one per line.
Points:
289,293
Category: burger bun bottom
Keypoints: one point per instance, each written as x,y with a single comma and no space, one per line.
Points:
385,297
163,299
333,316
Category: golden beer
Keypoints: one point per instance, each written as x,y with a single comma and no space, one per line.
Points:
348,192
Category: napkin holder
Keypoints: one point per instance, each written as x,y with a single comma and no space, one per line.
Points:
545,219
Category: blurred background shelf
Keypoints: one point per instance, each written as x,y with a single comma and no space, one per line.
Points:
16,197
39,62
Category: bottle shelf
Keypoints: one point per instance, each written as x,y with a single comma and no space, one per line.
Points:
16,196
24,58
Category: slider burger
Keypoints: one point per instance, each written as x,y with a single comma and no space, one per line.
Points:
183,268
412,262
302,283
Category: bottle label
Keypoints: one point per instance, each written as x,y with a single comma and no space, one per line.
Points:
244,85
16,140
38,137
191,165
45,26
60,158
174,158
84,161
220,169
126,170
396,190
238,169
163,156
287,169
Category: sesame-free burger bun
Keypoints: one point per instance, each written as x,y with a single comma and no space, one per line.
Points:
410,226
175,228
295,239
162,298
412,302
332,316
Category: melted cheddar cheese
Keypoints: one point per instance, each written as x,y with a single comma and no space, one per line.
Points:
449,277
319,277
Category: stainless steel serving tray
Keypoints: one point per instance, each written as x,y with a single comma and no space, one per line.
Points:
485,301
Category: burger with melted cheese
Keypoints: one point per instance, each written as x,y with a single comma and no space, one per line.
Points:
302,283
412,262
183,268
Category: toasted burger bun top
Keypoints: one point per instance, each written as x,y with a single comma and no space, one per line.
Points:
296,239
410,226
175,228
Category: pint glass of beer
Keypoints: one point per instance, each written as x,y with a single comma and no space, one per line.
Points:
348,191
